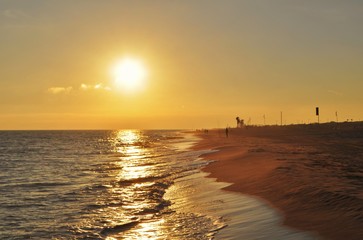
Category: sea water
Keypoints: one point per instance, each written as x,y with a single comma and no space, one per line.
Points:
125,184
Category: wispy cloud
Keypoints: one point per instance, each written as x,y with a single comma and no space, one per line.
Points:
83,87
59,90
98,86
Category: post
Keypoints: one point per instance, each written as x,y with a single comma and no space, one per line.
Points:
336,115
317,113
281,118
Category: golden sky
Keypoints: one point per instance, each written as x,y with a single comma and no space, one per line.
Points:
207,61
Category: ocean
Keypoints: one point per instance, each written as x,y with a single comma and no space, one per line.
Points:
125,184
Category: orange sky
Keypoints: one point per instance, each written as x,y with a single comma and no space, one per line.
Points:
207,62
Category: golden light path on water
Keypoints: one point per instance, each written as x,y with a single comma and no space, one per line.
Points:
133,167
133,155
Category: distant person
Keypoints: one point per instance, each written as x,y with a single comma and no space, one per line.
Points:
226,131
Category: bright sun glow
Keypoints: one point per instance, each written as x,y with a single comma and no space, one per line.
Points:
129,74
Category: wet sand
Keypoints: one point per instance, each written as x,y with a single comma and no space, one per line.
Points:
312,174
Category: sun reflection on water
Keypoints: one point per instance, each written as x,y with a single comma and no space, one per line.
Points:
135,179
134,154
128,136
149,230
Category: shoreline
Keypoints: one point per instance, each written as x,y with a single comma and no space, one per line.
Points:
306,174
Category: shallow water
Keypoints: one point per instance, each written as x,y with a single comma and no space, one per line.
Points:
124,184
236,216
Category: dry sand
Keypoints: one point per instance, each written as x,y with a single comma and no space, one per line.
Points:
313,174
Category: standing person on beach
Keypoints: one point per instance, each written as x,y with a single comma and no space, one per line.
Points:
226,131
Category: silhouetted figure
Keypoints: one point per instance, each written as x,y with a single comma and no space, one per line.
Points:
226,131
240,122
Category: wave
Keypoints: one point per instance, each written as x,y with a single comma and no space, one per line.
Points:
128,182
119,228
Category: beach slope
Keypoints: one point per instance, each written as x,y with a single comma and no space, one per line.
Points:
313,174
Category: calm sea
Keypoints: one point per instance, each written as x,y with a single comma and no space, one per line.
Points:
95,185
125,184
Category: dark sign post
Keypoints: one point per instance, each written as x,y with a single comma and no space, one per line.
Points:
336,115
317,113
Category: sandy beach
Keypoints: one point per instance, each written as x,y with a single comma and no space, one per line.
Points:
312,174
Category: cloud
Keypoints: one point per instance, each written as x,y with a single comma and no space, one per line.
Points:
83,87
59,90
98,86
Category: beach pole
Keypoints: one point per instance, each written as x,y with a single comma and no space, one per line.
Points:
281,118
317,113
336,115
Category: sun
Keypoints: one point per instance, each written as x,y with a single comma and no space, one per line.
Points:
129,74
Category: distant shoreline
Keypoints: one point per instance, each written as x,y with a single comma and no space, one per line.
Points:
312,173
